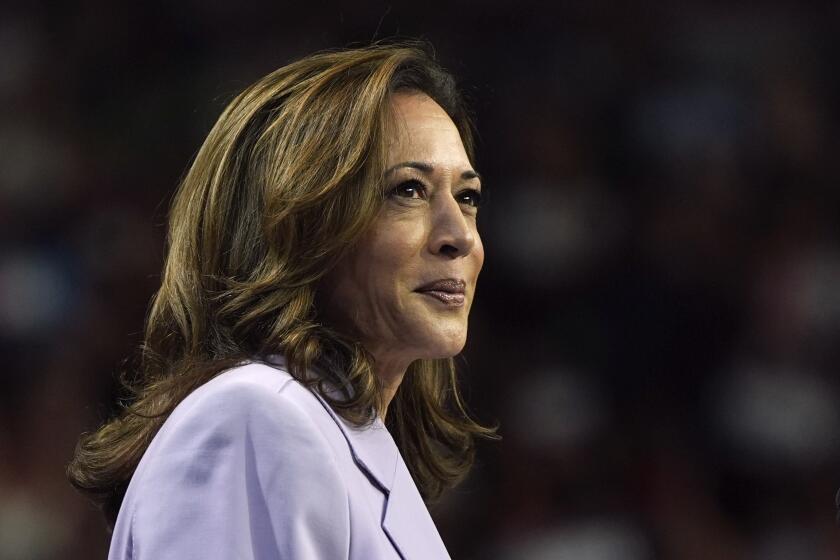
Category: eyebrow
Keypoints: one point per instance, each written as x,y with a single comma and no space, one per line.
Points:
428,169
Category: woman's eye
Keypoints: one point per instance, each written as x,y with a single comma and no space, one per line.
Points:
470,197
409,189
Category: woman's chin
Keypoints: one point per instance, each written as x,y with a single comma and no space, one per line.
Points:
445,346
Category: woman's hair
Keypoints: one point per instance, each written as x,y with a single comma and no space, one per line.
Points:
287,180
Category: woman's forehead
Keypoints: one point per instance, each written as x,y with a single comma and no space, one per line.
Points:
424,132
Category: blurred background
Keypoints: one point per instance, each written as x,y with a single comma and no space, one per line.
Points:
657,324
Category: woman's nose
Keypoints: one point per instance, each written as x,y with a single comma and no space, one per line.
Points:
452,234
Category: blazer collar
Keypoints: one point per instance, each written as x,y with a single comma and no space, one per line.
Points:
405,520
372,447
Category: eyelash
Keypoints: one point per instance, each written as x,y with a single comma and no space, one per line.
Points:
417,185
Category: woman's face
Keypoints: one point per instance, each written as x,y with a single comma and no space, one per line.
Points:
385,290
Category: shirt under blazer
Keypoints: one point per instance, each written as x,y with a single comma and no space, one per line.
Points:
252,465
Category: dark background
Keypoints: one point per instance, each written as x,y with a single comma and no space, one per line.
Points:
656,327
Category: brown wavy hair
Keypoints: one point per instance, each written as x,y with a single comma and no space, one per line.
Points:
287,180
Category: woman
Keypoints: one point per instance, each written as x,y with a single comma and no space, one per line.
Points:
322,260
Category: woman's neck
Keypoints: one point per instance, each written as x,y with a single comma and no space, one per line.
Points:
390,374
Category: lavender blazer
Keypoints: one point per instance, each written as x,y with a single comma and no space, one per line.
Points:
253,465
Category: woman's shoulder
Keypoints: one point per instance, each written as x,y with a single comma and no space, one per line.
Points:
253,391
251,408
230,448
245,406
249,380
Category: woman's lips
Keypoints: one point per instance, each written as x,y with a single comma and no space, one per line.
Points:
449,291
448,298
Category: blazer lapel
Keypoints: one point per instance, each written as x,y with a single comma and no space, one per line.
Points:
406,520
373,449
